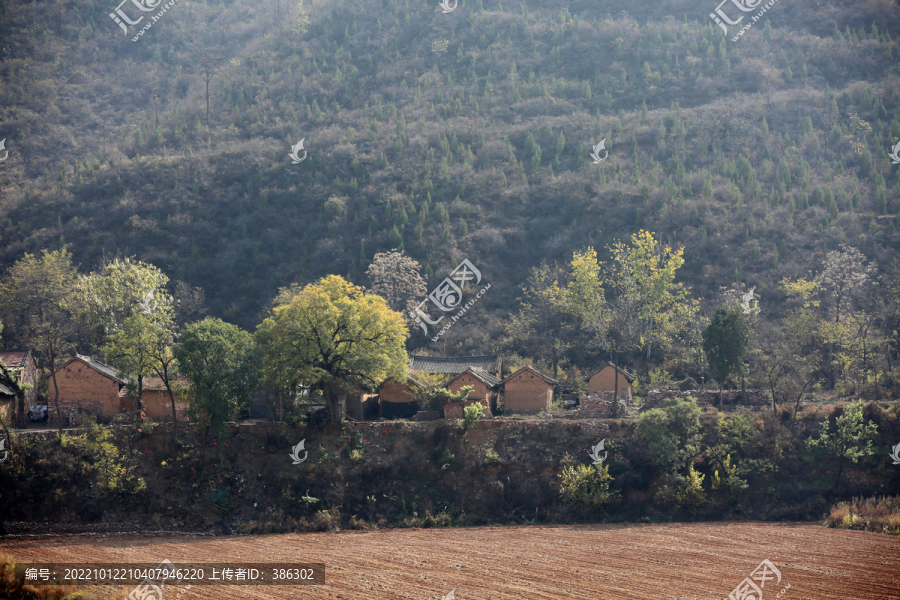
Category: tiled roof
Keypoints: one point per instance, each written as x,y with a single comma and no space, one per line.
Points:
628,376
99,367
546,378
14,359
5,390
156,383
480,374
454,366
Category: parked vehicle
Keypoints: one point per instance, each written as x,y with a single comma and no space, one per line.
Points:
38,413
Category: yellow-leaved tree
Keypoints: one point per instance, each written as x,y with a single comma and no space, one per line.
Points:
334,336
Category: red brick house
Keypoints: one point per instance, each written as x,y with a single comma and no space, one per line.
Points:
485,387
398,399
604,381
528,390
21,362
90,385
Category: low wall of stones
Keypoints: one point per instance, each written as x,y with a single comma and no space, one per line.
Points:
601,405
708,397
69,410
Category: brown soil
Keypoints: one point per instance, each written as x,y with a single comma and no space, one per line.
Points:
618,562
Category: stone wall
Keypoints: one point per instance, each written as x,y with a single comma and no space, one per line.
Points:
708,397
601,405
69,410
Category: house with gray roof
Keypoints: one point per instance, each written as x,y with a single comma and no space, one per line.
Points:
491,364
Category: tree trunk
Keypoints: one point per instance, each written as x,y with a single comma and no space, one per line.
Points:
743,390
772,389
174,414
800,397
615,378
837,481
334,405
56,396
721,386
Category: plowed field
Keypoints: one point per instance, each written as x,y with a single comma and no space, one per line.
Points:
652,562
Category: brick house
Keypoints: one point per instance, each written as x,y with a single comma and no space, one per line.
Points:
528,390
604,381
89,385
485,387
155,398
22,362
398,399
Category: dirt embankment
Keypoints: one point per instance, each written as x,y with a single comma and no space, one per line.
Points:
402,474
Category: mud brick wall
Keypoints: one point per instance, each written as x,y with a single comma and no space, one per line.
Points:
454,410
80,383
708,397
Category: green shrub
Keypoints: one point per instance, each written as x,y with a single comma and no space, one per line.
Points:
671,432
686,492
587,487
472,413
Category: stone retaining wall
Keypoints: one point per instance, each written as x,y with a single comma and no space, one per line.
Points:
708,397
601,405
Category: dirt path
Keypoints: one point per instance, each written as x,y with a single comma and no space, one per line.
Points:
648,562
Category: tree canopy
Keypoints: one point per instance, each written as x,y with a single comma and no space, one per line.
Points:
219,360
332,335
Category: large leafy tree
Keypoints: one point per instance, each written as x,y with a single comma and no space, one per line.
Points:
726,342
849,440
36,312
544,324
632,303
219,360
144,347
128,351
397,278
844,275
334,336
643,275
110,296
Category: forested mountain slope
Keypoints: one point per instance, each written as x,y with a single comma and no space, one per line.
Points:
454,135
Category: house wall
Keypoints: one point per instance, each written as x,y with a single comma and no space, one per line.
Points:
526,391
80,384
395,391
455,410
605,382
8,409
156,403
480,391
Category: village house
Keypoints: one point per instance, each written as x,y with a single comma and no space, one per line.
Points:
398,399
485,387
454,366
20,362
604,381
528,390
87,384
155,398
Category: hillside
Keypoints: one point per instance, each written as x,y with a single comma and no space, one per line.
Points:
457,135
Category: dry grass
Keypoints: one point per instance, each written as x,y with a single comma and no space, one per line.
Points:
881,515
14,587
